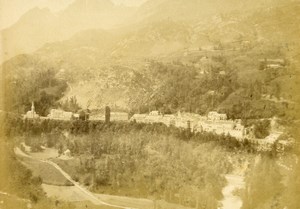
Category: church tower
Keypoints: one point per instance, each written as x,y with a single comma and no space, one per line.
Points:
32,107
33,110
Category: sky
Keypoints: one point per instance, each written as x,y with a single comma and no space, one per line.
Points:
12,10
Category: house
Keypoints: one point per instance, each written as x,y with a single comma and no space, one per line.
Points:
272,64
56,114
154,117
67,153
216,116
218,124
168,120
222,72
139,118
119,116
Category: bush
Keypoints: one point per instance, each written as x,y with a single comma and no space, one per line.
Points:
87,180
261,129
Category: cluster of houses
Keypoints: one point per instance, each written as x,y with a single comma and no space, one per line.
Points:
55,114
275,64
58,114
219,124
213,122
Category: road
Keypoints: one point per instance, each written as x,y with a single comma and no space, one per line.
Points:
86,194
90,195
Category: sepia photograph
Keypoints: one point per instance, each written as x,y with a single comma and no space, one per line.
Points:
149,104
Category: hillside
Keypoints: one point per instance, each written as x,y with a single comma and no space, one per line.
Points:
195,10
172,65
40,26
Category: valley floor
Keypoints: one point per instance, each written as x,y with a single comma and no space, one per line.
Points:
79,194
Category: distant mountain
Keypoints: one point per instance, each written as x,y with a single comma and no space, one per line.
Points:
191,10
40,26
99,63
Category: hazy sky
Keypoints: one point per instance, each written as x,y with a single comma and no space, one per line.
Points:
11,10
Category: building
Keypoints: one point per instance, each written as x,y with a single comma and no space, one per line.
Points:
215,116
31,114
154,117
60,115
168,120
218,124
214,122
272,63
139,118
119,116
67,153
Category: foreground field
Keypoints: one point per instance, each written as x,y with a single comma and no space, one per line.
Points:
73,194
48,173
9,201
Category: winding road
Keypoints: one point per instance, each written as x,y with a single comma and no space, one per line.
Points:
87,195
90,196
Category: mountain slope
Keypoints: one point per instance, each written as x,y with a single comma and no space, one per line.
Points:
40,26
113,68
197,10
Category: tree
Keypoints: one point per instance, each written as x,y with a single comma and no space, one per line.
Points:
107,114
261,129
263,185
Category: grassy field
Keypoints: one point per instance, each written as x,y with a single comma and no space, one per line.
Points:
86,204
73,195
48,173
12,202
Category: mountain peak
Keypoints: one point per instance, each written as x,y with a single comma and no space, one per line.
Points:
36,14
90,5
37,11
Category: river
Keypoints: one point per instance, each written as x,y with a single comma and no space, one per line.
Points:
231,201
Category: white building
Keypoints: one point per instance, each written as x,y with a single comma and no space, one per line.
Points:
31,114
119,116
60,115
139,118
215,116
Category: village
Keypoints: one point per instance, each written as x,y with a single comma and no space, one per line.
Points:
213,122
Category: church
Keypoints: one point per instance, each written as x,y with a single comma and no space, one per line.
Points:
31,114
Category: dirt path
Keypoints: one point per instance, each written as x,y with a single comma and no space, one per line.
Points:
81,191
78,193
90,196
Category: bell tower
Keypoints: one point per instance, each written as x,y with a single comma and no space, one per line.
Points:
32,109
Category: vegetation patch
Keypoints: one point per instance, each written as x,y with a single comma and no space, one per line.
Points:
48,173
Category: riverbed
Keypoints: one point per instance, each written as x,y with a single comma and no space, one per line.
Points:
230,200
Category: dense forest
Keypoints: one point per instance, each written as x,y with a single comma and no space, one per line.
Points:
156,162
199,84
170,87
38,83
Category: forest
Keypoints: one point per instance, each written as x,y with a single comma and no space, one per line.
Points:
170,87
155,161
102,150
